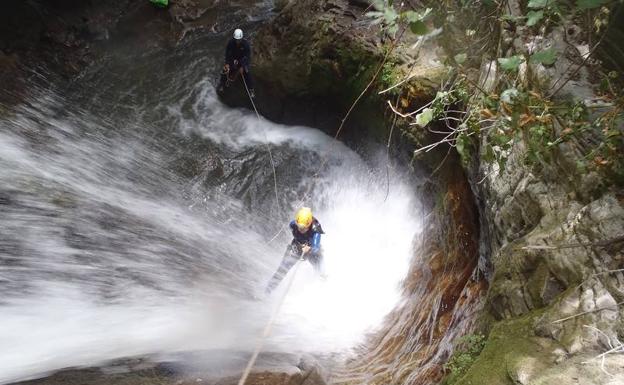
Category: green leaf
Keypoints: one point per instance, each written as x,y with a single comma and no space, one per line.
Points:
510,63
412,16
424,117
488,155
374,14
538,4
390,15
508,17
460,58
533,17
501,139
390,2
502,161
590,4
546,57
419,27
509,96
379,5
460,144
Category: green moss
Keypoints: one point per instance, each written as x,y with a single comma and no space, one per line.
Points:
511,348
536,283
464,356
340,71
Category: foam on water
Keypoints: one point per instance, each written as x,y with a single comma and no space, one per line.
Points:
103,258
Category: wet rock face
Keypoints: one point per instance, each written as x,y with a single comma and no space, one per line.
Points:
300,62
53,34
206,368
548,240
188,10
556,245
315,58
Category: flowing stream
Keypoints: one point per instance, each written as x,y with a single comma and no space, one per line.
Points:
138,216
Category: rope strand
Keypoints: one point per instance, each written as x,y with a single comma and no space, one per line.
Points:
269,325
266,141
267,328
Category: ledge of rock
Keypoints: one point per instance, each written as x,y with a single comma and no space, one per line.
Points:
312,61
206,368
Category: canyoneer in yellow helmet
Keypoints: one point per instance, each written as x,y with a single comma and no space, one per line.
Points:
306,244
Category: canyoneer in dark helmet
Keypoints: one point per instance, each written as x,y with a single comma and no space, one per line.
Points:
306,244
237,62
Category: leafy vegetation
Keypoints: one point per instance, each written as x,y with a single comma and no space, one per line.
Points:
387,16
519,105
468,349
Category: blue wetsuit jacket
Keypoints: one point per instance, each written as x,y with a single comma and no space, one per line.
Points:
312,237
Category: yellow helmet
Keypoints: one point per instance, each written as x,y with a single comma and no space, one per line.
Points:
303,218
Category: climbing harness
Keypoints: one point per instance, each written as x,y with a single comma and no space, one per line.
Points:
228,79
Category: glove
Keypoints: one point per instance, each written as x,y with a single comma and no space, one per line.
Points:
305,249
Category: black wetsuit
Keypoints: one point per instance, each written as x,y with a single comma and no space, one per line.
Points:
237,55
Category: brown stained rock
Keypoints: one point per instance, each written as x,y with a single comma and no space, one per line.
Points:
442,296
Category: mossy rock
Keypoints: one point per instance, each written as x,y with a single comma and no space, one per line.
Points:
512,354
317,57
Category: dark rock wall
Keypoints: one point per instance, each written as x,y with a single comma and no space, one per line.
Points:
314,60
54,35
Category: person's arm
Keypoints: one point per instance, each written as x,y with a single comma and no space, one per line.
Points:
316,243
246,59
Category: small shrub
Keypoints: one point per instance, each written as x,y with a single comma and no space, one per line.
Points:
469,348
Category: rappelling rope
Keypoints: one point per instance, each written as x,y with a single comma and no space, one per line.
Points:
266,139
267,328
268,146
269,325
325,159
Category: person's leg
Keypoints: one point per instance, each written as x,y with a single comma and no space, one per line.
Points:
232,74
289,260
316,261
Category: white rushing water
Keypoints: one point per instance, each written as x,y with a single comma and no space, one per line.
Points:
106,254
